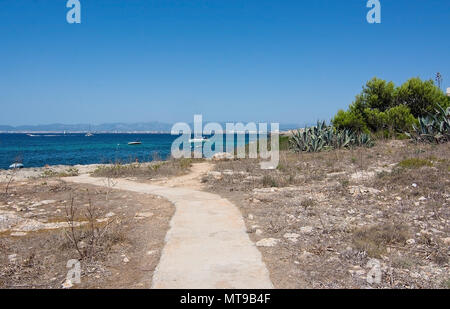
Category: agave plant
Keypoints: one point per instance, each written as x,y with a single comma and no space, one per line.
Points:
433,128
323,137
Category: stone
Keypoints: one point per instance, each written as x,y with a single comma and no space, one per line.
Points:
306,229
216,175
291,237
250,217
267,242
142,215
12,258
305,255
67,284
410,241
126,260
222,156
414,275
422,198
446,240
18,234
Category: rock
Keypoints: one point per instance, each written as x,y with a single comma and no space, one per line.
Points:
336,174
125,260
8,220
110,214
12,258
410,241
446,240
250,217
305,255
414,275
291,237
422,198
356,190
29,225
414,185
267,242
150,252
306,229
215,174
18,234
45,202
222,156
67,284
142,215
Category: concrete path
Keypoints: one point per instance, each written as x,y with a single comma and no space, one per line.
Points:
207,246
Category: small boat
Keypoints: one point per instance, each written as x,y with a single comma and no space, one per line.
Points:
89,134
198,140
16,165
134,143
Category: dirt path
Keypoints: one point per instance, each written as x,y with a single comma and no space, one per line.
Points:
191,180
207,245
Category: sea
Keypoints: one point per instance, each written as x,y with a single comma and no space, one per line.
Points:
40,150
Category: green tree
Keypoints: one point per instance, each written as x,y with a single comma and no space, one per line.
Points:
377,93
421,96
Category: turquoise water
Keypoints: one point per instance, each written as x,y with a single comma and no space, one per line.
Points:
72,149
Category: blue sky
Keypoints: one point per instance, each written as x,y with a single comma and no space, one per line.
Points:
252,60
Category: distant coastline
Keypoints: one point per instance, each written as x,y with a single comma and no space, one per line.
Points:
84,132
108,128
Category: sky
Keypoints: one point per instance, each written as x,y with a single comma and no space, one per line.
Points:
229,60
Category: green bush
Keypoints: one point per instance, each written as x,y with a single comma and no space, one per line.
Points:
387,111
350,120
421,96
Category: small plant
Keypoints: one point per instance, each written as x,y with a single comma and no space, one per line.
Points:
307,203
89,240
269,182
323,137
434,128
415,163
10,179
375,239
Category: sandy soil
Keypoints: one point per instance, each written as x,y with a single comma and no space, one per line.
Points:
334,219
34,246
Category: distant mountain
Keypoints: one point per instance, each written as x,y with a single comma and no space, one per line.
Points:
106,127
154,126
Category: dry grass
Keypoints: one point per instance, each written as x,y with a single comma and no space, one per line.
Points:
357,204
375,239
148,171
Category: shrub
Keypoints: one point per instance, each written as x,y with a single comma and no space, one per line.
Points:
381,107
350,120
421,97
415,163
400,119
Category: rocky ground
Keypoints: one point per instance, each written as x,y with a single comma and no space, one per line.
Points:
362,218
118,235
